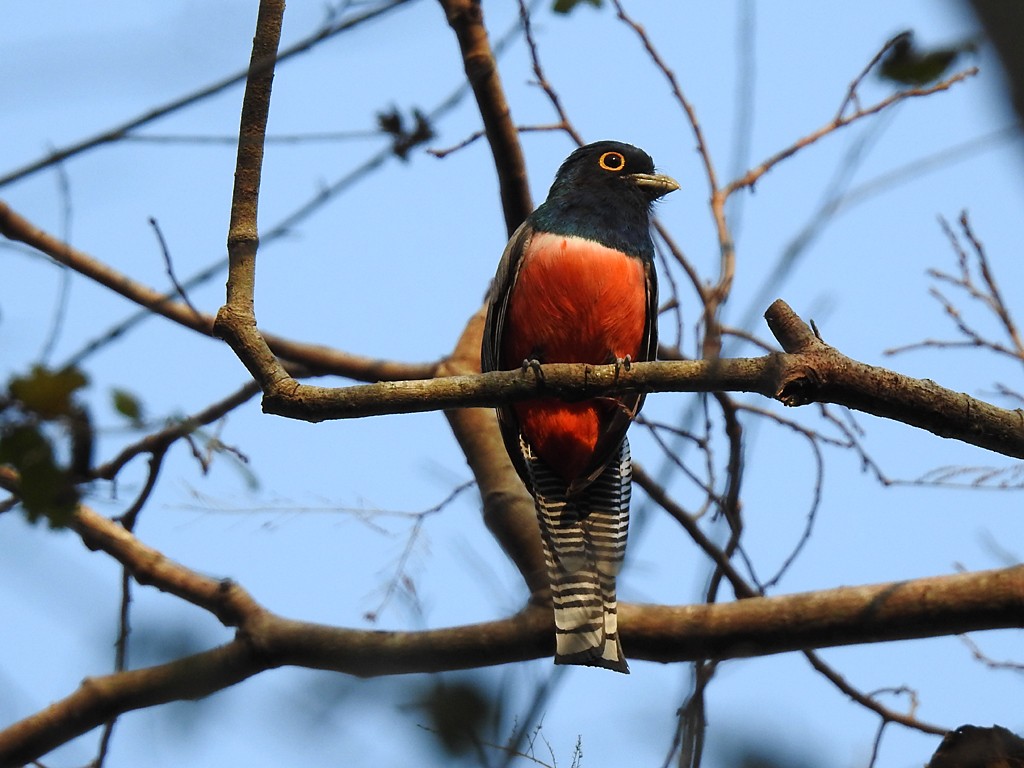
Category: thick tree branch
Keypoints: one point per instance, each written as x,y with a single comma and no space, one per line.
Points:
756,626
809,371
100,698
224,599
570,381
831,377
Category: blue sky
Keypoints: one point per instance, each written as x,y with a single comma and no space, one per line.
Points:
394,268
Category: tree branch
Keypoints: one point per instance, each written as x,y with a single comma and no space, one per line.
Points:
507,506
809,371
465,17
314,357
231,604
236,320
918,608
123,130
751,177
100,698
161,440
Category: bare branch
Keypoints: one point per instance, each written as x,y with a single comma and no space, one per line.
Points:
229,140
508,509
926,607
128,520
811,371
120,131
465,17
814,440
677,93
477,135
722,563
225,600
236,320
400,579
169,265
868,701
713,297
556,101
160,441
981,656
851,92
316,358
753,175
64,291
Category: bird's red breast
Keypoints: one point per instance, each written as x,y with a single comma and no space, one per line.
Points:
573,301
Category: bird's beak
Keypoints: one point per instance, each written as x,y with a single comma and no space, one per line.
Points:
654,184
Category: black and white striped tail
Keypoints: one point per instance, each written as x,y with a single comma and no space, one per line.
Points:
584,544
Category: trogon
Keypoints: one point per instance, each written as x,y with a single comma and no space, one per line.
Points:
576,284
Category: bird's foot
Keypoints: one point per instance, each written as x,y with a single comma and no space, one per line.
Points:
533,364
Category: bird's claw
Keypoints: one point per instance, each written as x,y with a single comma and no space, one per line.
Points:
533,364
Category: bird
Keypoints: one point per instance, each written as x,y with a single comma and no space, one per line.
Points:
577,284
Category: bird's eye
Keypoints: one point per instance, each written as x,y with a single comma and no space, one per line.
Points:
612,161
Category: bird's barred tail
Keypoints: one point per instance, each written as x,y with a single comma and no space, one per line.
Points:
584,544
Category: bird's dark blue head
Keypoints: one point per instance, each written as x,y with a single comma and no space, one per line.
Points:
604,192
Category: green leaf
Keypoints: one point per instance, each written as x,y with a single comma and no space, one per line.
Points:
568,6
128,405
47,393
907,64
45,490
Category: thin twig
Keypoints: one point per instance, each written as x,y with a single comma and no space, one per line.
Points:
997,303
128,520
64,291
813,439
169,266
851,93
751,177
160,441
400,578
867,700
442,153
315,357
232,140
556,102
714,296
979,655
119,131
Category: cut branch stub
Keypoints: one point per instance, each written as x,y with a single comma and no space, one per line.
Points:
795,336
800,386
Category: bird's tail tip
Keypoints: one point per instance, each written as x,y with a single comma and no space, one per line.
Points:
609,655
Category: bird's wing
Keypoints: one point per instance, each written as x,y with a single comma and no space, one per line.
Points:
494,329
497,298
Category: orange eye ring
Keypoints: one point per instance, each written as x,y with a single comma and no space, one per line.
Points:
612,161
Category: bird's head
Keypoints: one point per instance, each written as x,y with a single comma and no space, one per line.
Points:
604,192
611,167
